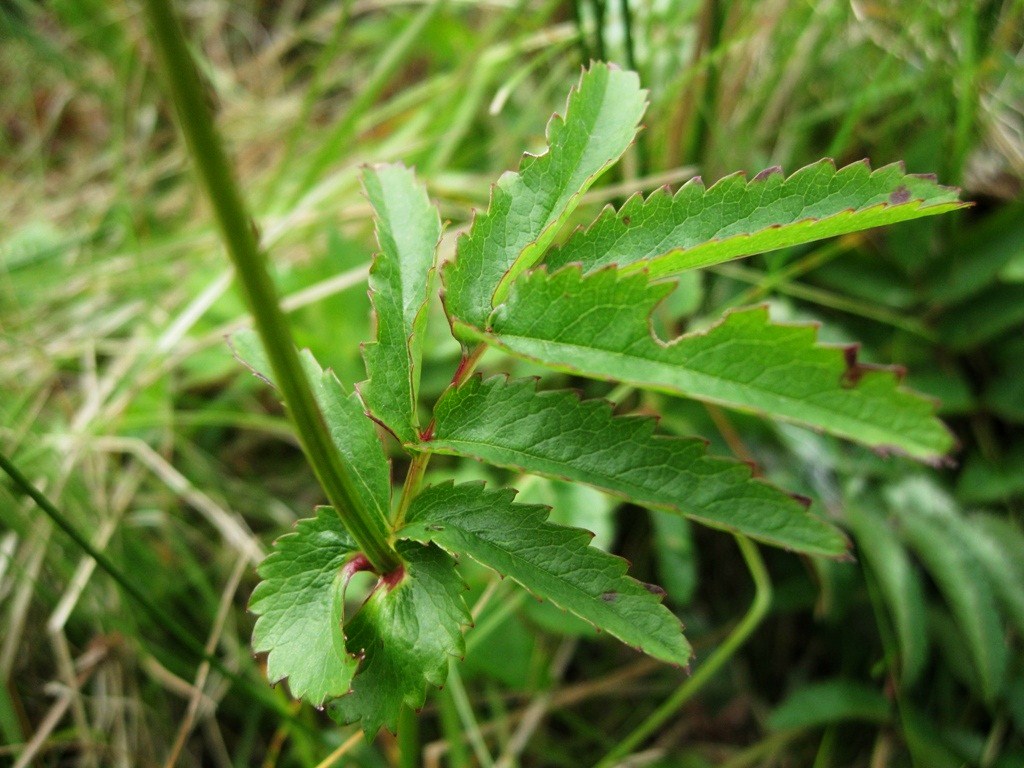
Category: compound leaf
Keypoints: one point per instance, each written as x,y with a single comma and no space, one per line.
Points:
553,562
599,326
408,228
300,604
555,434
352,432
404,634
528,207
666,234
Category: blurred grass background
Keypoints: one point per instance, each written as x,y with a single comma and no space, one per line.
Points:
121,400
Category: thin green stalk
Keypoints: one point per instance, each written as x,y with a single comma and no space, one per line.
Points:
408,738
750,621
458,754
368,528
471,727
159,616
413,478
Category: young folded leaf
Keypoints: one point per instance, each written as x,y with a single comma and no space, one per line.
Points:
666,234
528,207
599,326
553,562
352,432
408,228
405,635
510,424
300,604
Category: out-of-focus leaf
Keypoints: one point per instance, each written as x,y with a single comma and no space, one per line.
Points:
880,550
677,556
831,701
939,543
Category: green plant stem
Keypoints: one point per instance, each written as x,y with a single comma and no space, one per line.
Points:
750,621
160,617
367,528
408,738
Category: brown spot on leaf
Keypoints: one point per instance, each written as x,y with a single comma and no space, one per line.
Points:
899,195
610,597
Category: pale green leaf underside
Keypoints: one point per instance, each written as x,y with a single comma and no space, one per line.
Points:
353,434
599,326
405,635
528,207
510,424
300,604
553,562
408,229
698,226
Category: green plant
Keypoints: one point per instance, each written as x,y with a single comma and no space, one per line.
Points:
585,309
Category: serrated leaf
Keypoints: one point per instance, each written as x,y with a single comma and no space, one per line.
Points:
830,701
698,226
966,589
408,228
510,424
528,207
300,604
553,562
405,634
898,582
599,326
353,434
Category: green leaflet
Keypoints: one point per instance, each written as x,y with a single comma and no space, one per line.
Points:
527,207
599,326
408,228
511,424
899,585
553,562
697,227
300,604
352,432
404,634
